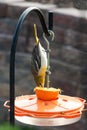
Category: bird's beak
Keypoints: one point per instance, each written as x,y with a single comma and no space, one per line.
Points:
35,34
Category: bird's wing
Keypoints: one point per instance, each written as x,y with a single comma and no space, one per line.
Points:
35,60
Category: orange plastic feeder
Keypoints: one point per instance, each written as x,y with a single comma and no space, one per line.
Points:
64,110
48,108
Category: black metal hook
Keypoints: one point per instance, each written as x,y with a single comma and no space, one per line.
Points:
13,50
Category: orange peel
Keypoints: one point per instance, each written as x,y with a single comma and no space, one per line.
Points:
47,93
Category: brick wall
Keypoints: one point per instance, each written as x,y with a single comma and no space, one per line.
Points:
79,4
68,51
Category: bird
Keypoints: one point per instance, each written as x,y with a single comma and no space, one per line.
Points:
38,61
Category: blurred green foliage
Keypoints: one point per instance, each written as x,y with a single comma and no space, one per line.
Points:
7,126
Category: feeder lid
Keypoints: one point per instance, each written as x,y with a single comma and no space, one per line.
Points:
62,104
40,108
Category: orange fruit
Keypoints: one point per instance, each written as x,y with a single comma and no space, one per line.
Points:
47,93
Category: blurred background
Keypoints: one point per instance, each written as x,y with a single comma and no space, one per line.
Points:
68,51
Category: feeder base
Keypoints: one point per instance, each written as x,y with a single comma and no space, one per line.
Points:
26,120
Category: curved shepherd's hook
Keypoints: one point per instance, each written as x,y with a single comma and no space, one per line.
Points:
13,50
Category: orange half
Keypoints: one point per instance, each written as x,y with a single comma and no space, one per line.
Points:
47,93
